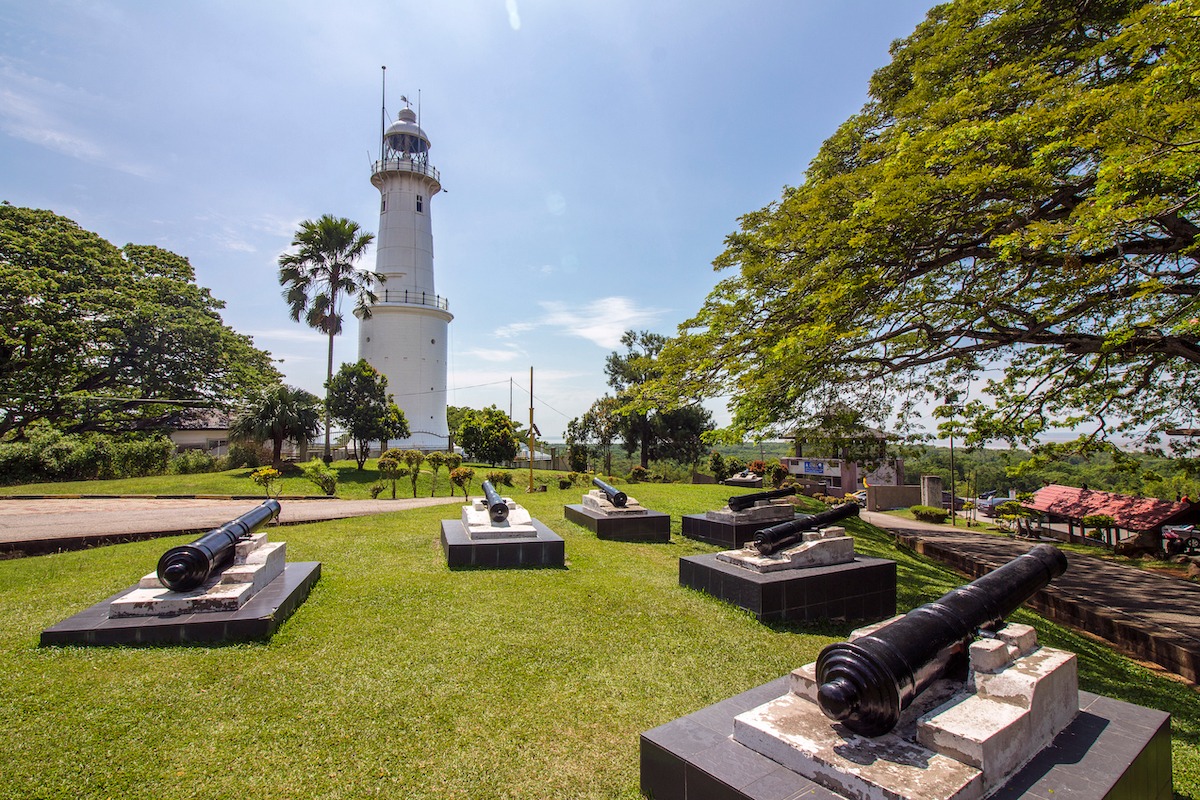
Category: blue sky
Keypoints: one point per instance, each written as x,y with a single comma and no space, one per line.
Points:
594,154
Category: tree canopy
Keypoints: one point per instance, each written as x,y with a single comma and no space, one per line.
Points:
666,428
96,338
488,435
358,399
277,414
1013,214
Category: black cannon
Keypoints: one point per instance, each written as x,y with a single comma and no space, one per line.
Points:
785,534
865,684
614,495
189,565
497,508
740,502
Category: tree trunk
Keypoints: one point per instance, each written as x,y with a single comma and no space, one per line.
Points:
277,452
645,461
328,380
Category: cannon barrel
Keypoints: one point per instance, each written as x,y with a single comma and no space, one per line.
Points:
614,495
784,534
497,508
189,565
740,502
866,683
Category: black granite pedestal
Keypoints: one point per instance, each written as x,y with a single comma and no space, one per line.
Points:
257,619
728,535
862,589
652,526
1112,751
547,549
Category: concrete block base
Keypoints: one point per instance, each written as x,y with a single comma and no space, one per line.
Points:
545,549
731,536
259,618
863,589
649,526
1112,750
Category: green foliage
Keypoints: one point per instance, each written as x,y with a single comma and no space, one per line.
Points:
930,514
658,426
488,435
391,469
321,476
268,479
96,338
592,435
436,460
376,489
462,477
359,400
1016,199
48,454
499,478
638,473
716,465
318,273
190,462
776,474
414,459
277,413
243,454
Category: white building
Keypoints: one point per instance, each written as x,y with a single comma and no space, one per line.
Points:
405,336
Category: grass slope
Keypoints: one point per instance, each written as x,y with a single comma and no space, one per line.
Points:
400,678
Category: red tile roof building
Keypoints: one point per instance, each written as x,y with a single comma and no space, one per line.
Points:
1130,513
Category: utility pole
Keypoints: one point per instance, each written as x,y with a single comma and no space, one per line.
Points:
531,429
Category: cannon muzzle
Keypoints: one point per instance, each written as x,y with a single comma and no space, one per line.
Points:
188,566
614,495
866,683
740,502
785,534
497,508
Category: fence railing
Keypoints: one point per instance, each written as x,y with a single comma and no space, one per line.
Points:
405,165
411,298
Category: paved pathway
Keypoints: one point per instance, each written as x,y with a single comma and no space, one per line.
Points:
1154,616
39,526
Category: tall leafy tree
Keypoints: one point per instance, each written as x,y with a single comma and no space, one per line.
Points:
593,433
96,338
359,400
1016,206
657,426
488,435
319,273
276,415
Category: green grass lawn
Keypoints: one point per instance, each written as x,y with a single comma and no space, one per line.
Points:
399,678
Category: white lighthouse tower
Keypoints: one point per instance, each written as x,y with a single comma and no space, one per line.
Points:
405,336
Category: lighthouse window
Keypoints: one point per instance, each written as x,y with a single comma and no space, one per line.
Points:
420,203
383,204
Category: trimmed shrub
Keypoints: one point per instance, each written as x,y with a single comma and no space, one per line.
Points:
192,462
929,514
322,476
638,473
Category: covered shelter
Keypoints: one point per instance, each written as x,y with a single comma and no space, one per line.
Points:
1136,515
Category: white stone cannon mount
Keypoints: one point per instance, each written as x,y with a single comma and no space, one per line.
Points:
819,548
478,524
256,563
598,501
958,740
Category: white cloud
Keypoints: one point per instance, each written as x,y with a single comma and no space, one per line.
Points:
602,321
297,334
514,17
491,355
48,114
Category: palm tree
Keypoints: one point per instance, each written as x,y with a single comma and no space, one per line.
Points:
278,413
319,272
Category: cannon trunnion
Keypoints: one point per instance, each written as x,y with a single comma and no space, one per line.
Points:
865,684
